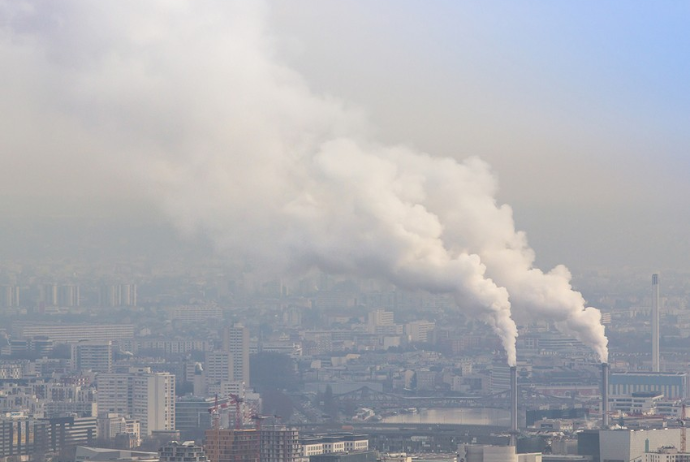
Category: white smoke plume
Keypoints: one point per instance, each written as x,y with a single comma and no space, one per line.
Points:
233,144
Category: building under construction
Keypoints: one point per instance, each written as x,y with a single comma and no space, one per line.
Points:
279,444
233,445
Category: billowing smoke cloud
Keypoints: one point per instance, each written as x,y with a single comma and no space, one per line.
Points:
191,97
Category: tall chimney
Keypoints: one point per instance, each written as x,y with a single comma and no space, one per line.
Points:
604,395
655,323
513,406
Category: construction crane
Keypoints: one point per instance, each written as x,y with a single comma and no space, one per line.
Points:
260,418
237,401
217,408
215,414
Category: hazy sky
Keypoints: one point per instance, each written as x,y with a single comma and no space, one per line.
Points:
581,108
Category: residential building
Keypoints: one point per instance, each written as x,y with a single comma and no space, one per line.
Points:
73,333
93,355
142,395
153,401
186,451
236,342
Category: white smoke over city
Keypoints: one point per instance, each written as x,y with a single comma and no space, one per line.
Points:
191,99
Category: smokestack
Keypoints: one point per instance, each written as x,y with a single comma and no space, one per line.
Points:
604,395
655,323
513,406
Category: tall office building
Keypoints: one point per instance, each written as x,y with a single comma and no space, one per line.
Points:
236,342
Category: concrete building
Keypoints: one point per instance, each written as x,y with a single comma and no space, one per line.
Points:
93,355
153,402
380,318
488,453
236,342
112,426
87,454
23,436
218,367
419,331
229,445
316,445
361,456
186,451
280,444
629,445
73,333
114,393
142,395
667,455
192,418
69,431
641,402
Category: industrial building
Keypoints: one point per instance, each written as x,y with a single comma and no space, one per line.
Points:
673,385
626,444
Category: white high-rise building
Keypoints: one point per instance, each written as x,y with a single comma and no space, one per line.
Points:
153,401
114,393
236,342
218,368
140,394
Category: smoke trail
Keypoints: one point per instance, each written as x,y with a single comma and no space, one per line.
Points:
534,294
234,144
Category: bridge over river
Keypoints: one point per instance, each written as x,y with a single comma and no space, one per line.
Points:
380,401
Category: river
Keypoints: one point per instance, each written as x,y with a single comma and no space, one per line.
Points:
458,416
